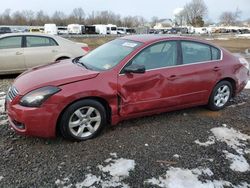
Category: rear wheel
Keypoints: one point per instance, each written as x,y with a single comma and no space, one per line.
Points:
220,96
83,120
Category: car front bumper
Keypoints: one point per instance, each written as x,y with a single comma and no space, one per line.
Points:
39,122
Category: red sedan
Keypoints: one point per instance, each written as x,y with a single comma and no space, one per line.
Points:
128,77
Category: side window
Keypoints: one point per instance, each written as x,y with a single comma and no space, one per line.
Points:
11,42
159,55
33,41
194,52
216,54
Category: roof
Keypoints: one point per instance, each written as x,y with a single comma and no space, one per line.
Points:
27,33
150,38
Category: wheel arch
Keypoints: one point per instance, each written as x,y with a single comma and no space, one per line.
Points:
232,81
101,100
62,57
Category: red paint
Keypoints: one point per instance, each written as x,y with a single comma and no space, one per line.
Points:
128,95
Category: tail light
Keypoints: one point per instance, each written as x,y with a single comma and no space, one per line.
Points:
86,48
244,62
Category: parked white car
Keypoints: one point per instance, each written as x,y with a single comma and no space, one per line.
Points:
21,51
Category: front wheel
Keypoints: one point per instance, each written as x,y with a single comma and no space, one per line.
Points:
83,120
220,96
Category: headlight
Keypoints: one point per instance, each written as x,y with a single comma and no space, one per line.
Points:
36,97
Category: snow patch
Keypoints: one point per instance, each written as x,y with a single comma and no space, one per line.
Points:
231,137
1,177
2,101
89,181
185,178
119,168
211,140
111,175
62,183
113,155
176,156
248,85
238,162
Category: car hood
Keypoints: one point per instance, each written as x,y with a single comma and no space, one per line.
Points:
54,74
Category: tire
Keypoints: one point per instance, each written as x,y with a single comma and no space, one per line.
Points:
220,96
83,120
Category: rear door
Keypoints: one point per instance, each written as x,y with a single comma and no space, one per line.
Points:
11,55
200,70
40,50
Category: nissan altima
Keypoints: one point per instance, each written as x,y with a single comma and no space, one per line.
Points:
128,77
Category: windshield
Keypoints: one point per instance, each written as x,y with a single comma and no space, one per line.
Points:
109,55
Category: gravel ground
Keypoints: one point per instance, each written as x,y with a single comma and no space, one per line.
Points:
151,142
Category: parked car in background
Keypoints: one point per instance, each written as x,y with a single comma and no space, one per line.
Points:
62,30
4,30
50,29
126,78
122,30
21,51
35,30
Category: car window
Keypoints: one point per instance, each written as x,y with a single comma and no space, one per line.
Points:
110,54
34,41
159,55
11,42
194,52
216,54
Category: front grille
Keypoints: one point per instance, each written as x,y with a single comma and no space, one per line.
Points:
12,93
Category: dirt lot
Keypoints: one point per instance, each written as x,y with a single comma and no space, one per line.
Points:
158,151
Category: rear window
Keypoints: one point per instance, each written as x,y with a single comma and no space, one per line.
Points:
216,54
34,41
194,52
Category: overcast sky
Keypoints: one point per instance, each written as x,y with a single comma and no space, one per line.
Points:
145,8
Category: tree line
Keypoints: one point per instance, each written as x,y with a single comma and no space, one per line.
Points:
194,13
78,16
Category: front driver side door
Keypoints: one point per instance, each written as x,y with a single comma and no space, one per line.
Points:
11,55
147,91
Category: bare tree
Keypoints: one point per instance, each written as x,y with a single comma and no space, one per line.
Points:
230,18
18,18
79,15
6,17
179,18
194,12
42,18
29,16
154,21
58,18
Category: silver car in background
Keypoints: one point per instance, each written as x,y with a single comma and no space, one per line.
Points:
21,51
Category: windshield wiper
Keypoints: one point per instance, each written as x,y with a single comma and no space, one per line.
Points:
76,60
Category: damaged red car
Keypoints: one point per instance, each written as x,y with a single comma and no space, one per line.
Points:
128,77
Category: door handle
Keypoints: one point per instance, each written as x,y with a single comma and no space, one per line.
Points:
19,53
172,77
216,69
54,51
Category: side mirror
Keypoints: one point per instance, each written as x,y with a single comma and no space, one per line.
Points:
134,68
